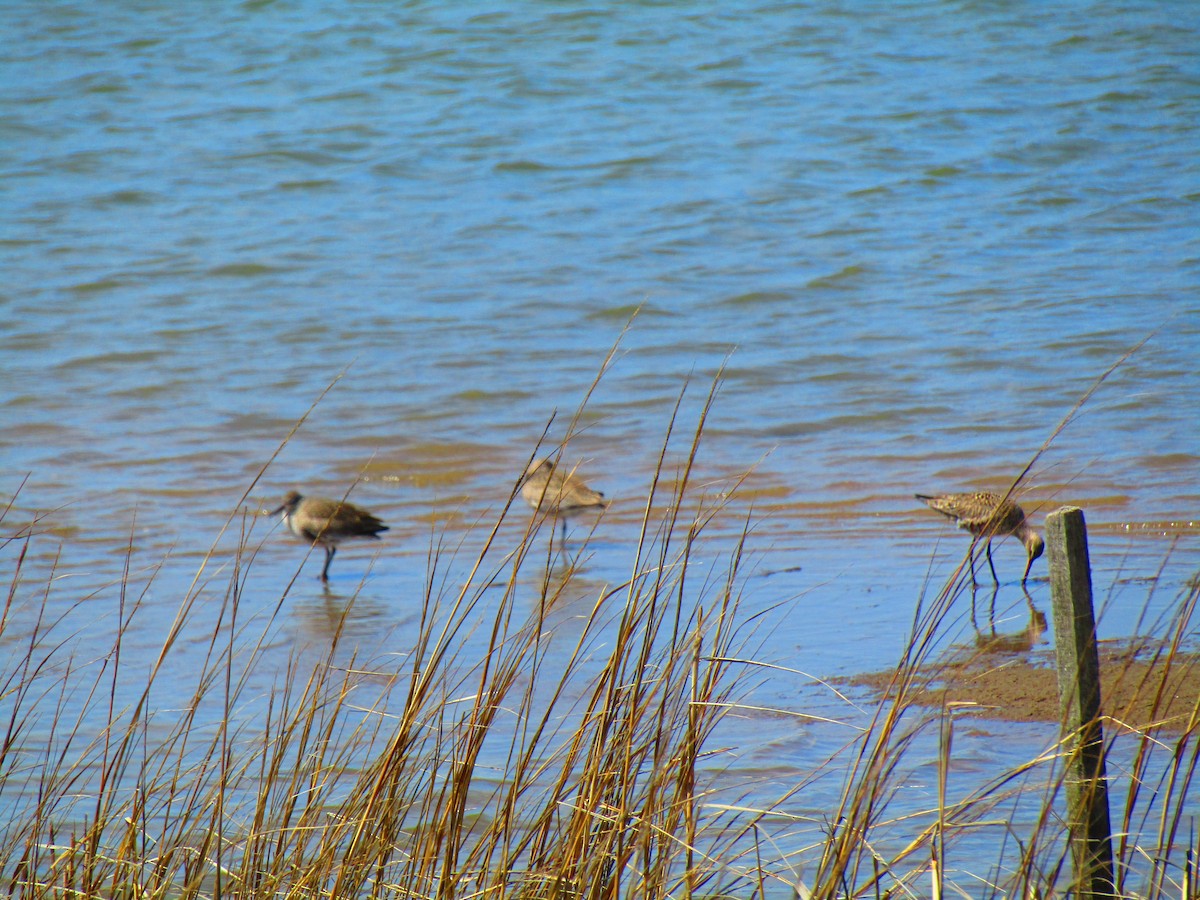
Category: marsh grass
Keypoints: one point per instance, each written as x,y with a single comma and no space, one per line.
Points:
473,762
1004,835
350,780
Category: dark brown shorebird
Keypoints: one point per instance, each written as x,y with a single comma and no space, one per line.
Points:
553,492
327,523
987,515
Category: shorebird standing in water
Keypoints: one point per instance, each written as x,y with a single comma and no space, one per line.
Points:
987,515
552,492
327,522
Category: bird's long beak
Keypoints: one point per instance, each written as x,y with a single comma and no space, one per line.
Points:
277,510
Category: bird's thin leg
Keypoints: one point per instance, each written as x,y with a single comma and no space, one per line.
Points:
988,547
566,552
329,551
974,589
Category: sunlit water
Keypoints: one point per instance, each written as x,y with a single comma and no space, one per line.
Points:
910,237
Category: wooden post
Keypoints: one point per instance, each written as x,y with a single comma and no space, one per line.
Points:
1079,703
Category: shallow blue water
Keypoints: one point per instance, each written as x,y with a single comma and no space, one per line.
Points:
912,234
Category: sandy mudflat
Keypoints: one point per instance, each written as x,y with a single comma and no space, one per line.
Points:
1139,689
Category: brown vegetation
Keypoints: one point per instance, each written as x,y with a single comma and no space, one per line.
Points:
330,792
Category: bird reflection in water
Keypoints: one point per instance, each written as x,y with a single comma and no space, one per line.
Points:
1019,641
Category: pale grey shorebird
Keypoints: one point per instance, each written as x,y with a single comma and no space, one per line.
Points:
327,523
988,516
551,491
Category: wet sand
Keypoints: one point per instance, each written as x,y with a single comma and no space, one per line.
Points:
1140,690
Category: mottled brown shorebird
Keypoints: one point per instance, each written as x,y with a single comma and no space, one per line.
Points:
550,491
988,515
327,522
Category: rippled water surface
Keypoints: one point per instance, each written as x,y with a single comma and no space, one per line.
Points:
911,237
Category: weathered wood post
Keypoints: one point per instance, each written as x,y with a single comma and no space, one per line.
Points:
1079,702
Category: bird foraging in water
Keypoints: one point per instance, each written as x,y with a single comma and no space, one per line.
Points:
988,515
327,522
552,492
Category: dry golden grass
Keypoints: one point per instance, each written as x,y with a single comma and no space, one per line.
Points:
604,792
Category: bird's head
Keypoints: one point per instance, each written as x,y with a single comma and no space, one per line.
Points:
537,466
290,502
1035,546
